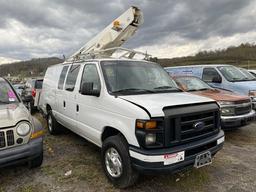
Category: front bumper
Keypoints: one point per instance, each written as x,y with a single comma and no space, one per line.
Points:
153,161
229,122
21,154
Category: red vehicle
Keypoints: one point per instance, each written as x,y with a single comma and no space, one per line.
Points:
236,110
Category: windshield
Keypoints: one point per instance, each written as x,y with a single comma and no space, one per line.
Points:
191,84
234,74
248,74
130,77
7,95
38,84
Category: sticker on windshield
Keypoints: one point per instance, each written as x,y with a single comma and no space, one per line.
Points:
11,96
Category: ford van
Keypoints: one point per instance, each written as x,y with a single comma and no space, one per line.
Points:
135,113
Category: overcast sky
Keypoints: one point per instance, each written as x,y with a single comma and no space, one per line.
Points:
172,28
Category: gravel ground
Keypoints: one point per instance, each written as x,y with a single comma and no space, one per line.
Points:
233,168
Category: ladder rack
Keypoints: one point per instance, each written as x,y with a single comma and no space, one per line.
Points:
108,53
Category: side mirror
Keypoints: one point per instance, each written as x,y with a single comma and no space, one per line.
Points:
217,79
87,89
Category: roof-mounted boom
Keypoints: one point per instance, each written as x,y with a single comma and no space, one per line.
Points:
114,35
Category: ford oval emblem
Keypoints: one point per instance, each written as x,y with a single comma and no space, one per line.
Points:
199,125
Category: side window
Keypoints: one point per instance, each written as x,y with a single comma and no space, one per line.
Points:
71,78
90,75
209,74
62,77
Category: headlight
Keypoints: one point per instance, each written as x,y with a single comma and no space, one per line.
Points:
221,103
227,111
146,124
252,93
150,139
149,133
23,129
253,99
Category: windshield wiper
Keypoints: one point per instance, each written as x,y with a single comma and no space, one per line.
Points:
202,89
167,88
132,90
164,87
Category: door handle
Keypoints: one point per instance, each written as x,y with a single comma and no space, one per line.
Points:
77,108
64,104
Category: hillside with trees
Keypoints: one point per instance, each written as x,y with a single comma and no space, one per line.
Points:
33,67
243,55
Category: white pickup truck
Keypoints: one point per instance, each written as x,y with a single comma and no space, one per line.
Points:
130,108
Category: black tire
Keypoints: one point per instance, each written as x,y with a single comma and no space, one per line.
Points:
128,175
36,162
31,108
52,125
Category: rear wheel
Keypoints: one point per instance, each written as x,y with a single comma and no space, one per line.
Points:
116,162
52,124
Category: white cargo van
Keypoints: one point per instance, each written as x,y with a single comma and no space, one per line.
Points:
135,113
130,108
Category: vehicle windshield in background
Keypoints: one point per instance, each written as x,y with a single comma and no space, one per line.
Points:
128,77
235,74
247,73
7,95
192,84
38,84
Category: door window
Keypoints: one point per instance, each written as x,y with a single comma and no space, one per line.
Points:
90,75
209,74
62,77
71,78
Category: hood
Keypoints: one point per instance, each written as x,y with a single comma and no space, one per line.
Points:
11,114
154,103
221,95
243,86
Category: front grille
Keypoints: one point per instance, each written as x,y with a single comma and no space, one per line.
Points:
2,139
181,123
6,138
10,137
242,101
188,129
243,109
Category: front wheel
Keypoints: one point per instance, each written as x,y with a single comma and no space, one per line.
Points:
37,162
116,162
52,124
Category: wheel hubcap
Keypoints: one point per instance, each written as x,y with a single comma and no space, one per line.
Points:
113,162
50,123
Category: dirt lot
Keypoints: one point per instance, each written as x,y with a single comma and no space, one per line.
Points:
233,169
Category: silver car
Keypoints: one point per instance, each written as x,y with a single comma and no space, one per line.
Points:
21,135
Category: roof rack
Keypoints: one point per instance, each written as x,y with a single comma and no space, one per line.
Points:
108,53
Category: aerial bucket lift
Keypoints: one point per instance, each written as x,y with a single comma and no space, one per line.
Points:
112,37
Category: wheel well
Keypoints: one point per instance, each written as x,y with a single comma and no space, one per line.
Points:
108,132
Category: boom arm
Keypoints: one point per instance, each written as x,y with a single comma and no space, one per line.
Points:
114,35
